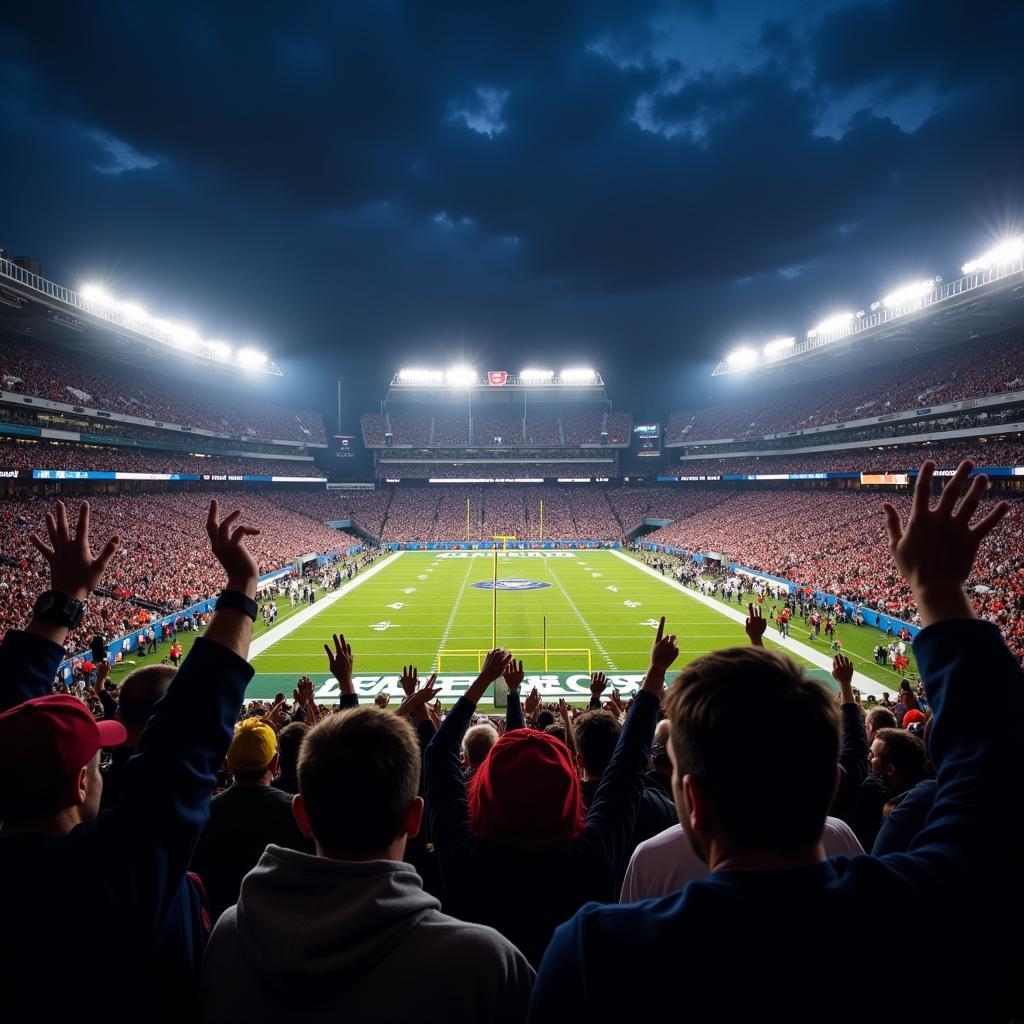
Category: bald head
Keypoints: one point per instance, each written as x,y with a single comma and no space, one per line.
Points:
140,691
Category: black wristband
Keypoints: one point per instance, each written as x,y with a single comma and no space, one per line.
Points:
239,601
59,609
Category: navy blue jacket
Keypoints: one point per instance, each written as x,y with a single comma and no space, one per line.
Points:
795,944
104,915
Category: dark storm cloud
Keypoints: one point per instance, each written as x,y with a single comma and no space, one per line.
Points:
476,179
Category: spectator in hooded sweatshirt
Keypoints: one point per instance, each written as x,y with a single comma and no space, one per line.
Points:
349,934
728,942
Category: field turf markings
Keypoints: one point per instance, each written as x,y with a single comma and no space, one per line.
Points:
583,622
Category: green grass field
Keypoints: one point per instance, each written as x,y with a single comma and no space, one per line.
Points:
420,607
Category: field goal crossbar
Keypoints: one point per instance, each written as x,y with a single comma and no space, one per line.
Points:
518,653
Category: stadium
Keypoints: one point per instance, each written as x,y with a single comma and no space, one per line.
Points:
611,551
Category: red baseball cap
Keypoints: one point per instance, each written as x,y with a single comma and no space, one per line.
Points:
44,743
912,716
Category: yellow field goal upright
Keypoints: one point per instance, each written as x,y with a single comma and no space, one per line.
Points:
519,653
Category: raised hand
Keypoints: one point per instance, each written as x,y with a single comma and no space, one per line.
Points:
664,650
303,692
755,625
227,541
495,665
935,550
842,670
409,680
382,700
514,675
73,569
340,661
598,681
532,704
616,702
415,704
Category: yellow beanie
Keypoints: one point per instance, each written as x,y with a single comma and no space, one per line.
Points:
253,747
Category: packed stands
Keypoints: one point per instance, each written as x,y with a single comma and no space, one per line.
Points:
55,455
450,428
992,366
500,431
620,427
543,429
947,455
520,468
374,429
44,371
160,560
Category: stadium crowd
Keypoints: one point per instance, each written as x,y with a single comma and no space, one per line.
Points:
157,563
367,863
526,468
946,454
61,375
987,367
57,455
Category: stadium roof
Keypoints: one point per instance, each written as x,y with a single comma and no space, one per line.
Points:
572,384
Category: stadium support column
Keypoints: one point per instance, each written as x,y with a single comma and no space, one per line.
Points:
541,518
467,520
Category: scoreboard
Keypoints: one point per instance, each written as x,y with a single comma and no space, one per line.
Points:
344,446
647,440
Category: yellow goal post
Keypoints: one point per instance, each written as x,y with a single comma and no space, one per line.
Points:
519,653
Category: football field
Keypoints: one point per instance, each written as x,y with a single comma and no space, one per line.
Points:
565,613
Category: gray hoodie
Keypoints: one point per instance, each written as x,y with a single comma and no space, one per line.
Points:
313,939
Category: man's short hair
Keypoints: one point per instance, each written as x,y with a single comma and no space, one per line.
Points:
762,740
289,741
477,743
905,752
557,730
140,690
880,718
596,732
359,772
545,717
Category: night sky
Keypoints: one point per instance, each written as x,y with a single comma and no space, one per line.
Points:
636,186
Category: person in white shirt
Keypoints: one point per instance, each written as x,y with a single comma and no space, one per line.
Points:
664,863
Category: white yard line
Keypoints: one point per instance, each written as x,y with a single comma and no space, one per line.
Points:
864,683
583,622
268,639
451,618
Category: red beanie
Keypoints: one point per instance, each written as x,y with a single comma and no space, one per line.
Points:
527,790
912,716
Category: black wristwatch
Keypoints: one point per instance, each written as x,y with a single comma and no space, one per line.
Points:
59,609
236,599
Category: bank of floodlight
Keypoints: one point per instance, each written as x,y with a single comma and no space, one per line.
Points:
460,377
578,375
417,375
835,322
775,348
909,293
537,376
1005,252
250,358
742,357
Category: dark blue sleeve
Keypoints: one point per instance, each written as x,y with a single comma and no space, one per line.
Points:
28,666
612,816
514,712
970,830
165,801
109,704
444,785
853,763
348,700
904,821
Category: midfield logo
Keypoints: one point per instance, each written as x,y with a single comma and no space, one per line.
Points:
513,583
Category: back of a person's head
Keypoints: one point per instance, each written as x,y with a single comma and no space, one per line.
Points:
736,711
545,717
289,742
477,743
526,792
906,753
596,732
557,730
140,691
879,718
359,772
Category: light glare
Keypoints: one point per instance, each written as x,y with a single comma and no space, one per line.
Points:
909,292
1005,252
742,357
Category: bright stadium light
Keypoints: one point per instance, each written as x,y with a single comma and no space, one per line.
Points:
741,358
1005,252
131,310
778,346
181,336
578,375
909,292
250,357
219,350
537,375
96,293
417,376
836,322
461,376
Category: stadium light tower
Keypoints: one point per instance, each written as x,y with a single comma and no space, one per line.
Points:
578,375
461,376
835,322
778,346
909,292
1005,252
250,358
742,357
537,376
